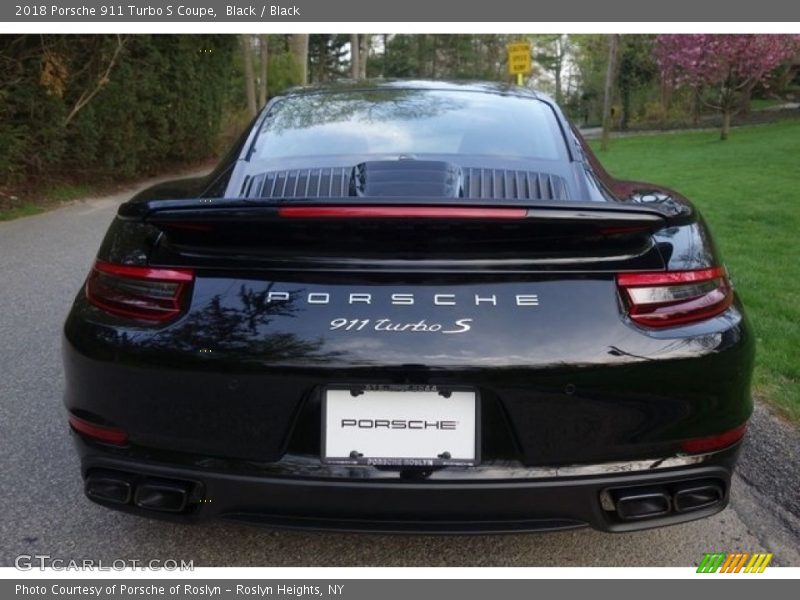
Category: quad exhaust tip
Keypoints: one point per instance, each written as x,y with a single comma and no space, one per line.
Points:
107,486
643,505
632,504
696,498
148,493
162,495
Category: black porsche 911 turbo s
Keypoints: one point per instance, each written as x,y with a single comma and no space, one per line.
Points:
409,307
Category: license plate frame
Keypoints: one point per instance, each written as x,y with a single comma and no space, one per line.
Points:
464,437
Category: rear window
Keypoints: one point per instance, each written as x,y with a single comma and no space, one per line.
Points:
410,121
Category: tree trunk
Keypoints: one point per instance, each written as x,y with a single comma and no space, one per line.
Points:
697,105
493,52
298,45
421,58
747,95
607,93
434,54
726,124
249,79
263,70
321,70
625,94
559,95
667,88
385,54
355,54
363,51
559,67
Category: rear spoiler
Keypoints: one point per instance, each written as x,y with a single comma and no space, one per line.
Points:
226,210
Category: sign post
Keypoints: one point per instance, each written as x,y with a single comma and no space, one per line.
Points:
519,60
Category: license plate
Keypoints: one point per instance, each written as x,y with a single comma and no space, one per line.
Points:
400,427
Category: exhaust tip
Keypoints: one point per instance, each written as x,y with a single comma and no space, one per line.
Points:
698,497
642,504
162,495
116,488
670,499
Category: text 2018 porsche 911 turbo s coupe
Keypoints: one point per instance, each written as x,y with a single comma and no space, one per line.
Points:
409,307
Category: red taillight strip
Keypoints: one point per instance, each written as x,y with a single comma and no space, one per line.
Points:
100,433
401,212
669,277
135,306
687,312
669,298
714,442
132,314
155,274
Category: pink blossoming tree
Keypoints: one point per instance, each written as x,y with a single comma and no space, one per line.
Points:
728,64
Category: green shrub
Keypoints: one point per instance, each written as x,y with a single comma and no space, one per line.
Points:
163,103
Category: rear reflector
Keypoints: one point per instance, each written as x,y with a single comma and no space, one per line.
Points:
99,433
400,212
714,442
666,299
144,293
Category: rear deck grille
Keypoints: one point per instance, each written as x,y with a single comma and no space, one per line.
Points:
300,183
337,182
506,184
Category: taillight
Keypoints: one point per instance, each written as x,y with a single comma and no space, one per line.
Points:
668,298
144,293
99,433
714,442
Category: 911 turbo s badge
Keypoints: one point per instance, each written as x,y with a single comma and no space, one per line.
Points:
421,326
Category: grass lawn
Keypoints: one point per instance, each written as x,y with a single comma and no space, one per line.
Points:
748,189
759,103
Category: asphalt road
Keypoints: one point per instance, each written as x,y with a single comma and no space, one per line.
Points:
43,261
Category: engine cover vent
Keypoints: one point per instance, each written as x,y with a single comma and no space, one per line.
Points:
406,179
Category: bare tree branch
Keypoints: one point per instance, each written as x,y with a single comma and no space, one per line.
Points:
101,82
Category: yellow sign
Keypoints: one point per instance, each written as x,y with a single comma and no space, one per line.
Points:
519,58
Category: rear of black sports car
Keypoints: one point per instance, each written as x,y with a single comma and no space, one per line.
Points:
409,307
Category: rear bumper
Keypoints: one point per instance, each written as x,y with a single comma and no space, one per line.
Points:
538,414
469,502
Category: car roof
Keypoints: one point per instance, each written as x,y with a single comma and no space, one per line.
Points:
344,85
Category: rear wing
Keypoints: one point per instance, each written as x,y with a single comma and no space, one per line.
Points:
231,210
